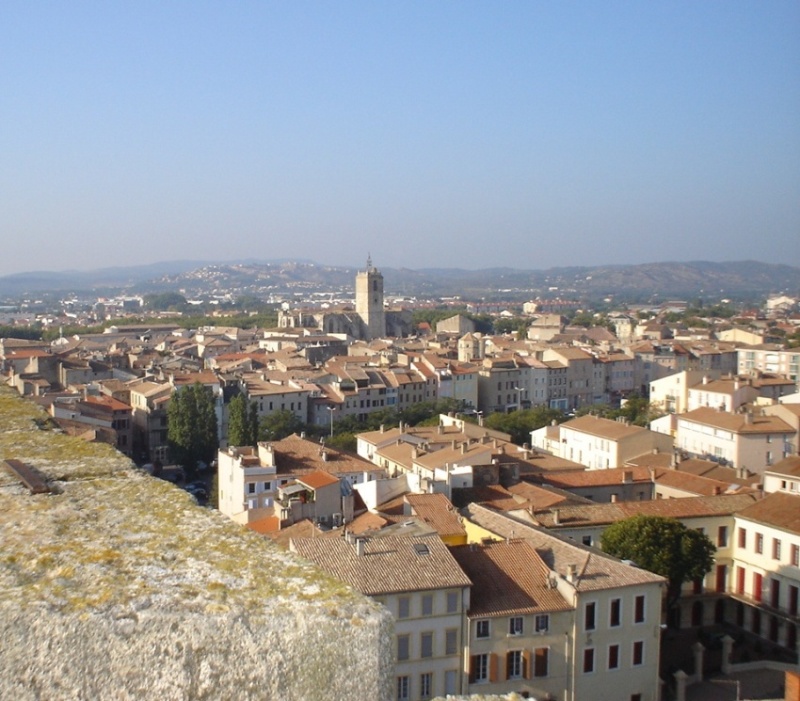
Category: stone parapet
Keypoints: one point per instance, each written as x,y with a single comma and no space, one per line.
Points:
117,585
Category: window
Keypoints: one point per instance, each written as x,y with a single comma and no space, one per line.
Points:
452,602
638,653
450,681
638,609
776,549
796,555
402,647
251,487
427,604
636,697
402,688
451,641
426,645
482,629
479,668
541,660
758,586
742,538
615,617
588,660
759,543
775,592
514,664
722,537
589,616
613,656
425,685
403,607
542,623
515,625
586,540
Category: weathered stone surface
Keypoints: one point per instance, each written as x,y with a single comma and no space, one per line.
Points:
118,586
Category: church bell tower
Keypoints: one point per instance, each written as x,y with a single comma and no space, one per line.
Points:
369,301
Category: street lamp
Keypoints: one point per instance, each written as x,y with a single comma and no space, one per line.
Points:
331,409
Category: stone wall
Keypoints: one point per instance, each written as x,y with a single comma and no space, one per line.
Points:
117,585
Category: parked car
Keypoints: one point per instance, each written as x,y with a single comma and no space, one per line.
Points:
198,491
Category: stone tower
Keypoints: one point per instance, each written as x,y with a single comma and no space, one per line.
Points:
369,301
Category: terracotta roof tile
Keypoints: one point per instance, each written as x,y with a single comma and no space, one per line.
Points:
438,512
508,578
736,423
605,428
596,570
778,509
388,565
688,507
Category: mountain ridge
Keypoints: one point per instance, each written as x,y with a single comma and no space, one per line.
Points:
739,280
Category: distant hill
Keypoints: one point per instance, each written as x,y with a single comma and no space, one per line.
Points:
650,282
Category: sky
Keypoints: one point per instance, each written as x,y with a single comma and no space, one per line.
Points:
433,133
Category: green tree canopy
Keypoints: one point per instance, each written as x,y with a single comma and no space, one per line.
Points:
519,424
279,425
663,546
242,421
192,426
163,301
637,410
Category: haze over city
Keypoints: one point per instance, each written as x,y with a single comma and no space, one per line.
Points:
428,134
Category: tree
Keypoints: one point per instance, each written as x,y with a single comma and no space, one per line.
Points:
663,546
164,301
343,441
192,426
242,421
279,425
519,424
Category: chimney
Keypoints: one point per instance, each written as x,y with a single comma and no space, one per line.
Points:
556,517
572,573
627,477
748,418
705,379
453,444
383,428
463,448
717,490
440,429
324,455
741,472
414,453
360,546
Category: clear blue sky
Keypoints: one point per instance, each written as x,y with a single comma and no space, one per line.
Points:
459,134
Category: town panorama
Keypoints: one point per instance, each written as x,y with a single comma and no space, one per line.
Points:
467,451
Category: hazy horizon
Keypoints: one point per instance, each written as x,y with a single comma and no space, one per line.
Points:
455,135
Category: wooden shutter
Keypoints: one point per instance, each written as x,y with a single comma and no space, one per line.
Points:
541,662
493,667
526,664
